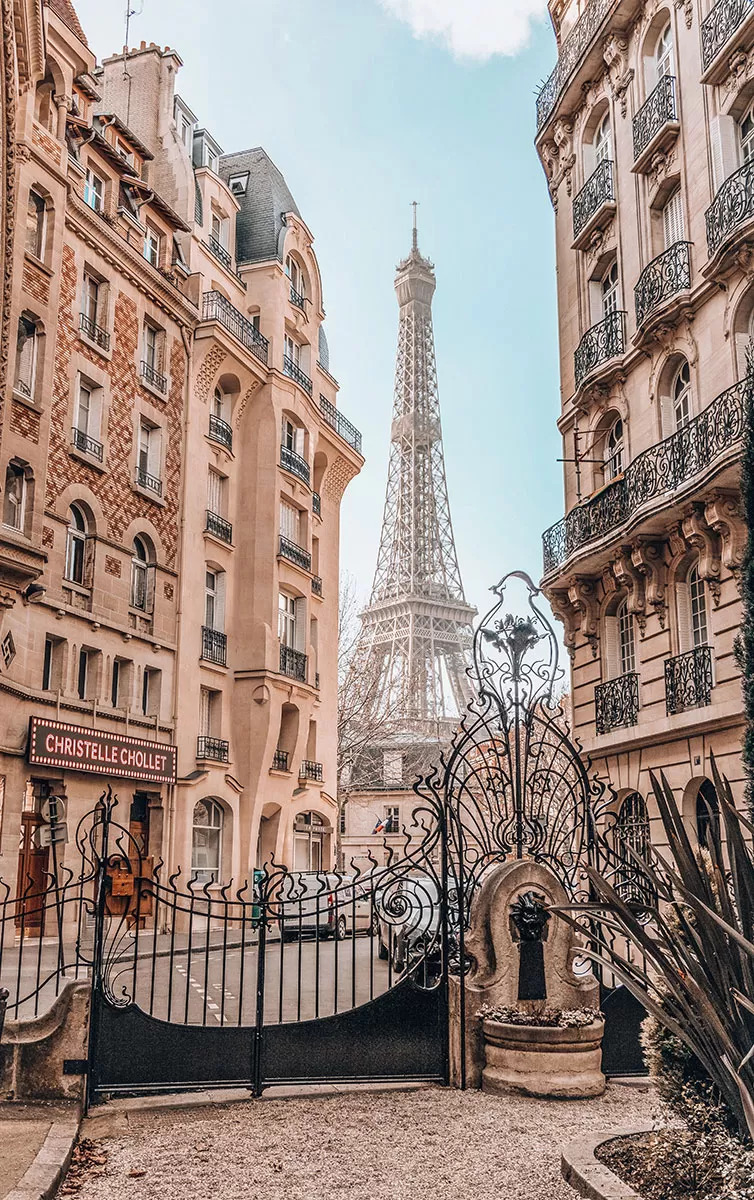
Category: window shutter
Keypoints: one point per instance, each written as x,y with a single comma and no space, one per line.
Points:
672,219
612,649
151,573
300,442
154,455
204,712
89,548
683,616
725,149
214,493
220,601
743,341
299,624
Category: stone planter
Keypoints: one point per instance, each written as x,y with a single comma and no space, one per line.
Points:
537,1060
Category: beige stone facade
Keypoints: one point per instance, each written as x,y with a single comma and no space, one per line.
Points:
174,463
643,131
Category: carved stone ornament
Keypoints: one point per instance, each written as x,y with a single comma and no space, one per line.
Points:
704,539
564,612
600,241
722,513
631,580
558,158
649,560
740,71
688,11
660,166
583,596
615,54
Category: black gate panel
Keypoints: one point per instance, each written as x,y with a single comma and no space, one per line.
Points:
621,1047
400,1035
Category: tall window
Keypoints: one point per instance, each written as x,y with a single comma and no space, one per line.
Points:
610,290
220,228
206,841
614,451
150,691
664,53
682,396
115,684
82,682
15,497
152,245
290,522
90,300
296,275
746,134
632,832
392,819
293,437
152,347
26,356
216,493
35,225
603,141
142,576
698,604
75,549
94,190
287,619
626,647
149,452
214,600
292,350
219,405
84,420
672,220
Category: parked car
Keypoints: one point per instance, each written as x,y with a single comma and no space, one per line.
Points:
307,904
402,940
356,908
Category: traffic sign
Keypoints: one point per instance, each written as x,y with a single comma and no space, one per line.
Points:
53,809
56,834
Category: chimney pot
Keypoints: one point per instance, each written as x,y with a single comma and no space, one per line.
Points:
143,46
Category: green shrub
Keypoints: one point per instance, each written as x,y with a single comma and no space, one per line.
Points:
681,1081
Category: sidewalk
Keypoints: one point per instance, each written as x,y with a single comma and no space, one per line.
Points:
36,1143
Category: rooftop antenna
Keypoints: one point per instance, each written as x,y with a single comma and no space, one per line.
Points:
131,12
415,243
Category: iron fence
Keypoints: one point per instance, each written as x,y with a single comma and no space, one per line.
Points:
294,553
599,344
293,462
310,770
216,308
294,372
665,276
214,646
316,585
732,207
688,680
280,760
212,748
220,253
220,431
296,298
316,504
720,25
88,445
149,482
219,527
338,422
154,377
293,663
94,332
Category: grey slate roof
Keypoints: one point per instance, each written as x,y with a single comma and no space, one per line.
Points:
324,349
260,222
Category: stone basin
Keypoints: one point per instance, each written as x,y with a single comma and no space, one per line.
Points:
541,1060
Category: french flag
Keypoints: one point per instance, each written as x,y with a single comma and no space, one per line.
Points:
380,826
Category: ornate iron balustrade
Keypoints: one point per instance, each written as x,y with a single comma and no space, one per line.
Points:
316,585
293,462
220,431
310,770
688,680
216,308
94,332
154,378
219,527
572,51
721,24
296,554
733,206
214,646
150,482
338,422
294,372
213,748
616,703
597,190
88,445
316,681
280,760
293,663
599,344
219,251
665,276
656,111
316,504
659,469
297,298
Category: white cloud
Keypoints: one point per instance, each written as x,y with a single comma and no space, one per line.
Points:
471,28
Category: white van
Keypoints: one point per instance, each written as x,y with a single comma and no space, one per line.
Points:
307,902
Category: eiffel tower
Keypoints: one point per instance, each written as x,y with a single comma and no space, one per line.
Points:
416,630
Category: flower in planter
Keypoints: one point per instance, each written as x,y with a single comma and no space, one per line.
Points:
541,1016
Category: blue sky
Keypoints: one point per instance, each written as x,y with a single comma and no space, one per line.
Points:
363,115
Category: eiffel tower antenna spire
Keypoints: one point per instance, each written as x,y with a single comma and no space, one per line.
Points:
414,204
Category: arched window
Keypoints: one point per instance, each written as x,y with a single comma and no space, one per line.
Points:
626,648
75,547
207,841
746,135
664,53
44,107
214,599
632,833
614,451
142,575
610,290
17,496
220,404
36,210
682,396
698,608
603,141
707,814
295,273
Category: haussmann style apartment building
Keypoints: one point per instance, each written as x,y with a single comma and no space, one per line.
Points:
646,132
174,461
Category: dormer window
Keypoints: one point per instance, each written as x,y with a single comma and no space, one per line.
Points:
125,151
187,131
94,190
152,245
239,183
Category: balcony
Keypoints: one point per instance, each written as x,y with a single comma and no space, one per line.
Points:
87,445
594,204
666,276
214,646
616,703
280,760
212,748
655,125
293,462
599,344
154,378
219,527
660,469
688,680
294,372
296,554
572,52
316,504
719,27
149,482
310,770
220,431
293,663
216,308
732,207
220,253
297,298
94,332
317,586
338,422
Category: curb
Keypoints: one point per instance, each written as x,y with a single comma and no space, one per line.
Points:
590,1178
42,1179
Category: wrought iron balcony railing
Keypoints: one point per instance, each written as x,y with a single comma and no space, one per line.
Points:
732,207
294,372
212,748
220,431
599,344
666,276
88,445
316,585
296,554
316,504
280,760
338,422
214,646
660,469
216,308
616,703
150,482
154,378
720,25
656,111
94,332
310,770
571,53
219,251
597,190
296,298
688,680
293,462
293,663
219,527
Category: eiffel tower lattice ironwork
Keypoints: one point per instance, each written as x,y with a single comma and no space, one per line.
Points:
417,627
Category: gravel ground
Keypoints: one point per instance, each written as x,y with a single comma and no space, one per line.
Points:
439,1143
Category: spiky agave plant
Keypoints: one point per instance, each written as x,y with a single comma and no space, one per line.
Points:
694,970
